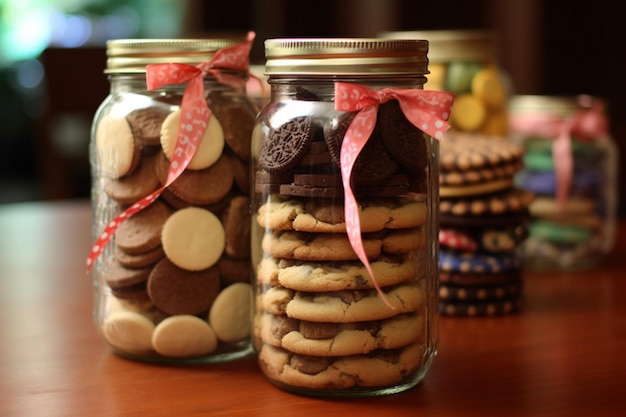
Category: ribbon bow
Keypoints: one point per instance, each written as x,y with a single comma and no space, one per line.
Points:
425,109
195,116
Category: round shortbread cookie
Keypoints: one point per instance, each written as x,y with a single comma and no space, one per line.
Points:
200,187
321,247
139,260
141,232
230,313
135,186
148,122
358,338
481,308
511,200
477,262
451,293
184,336
479,188
336,276
128,331
464,151
506,170
177,291
193,238
209,148
235,219
355,305
118,151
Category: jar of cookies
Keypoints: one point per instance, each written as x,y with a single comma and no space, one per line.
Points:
465,63
170,153
344,216
570,165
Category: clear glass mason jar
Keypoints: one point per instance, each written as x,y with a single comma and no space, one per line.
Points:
170,154
465,63
570,165
324,325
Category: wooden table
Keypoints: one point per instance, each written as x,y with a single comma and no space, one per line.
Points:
564,355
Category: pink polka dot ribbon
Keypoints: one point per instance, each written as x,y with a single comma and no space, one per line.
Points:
585,124
425,109
194,119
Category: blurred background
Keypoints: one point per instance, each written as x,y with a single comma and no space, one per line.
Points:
52,57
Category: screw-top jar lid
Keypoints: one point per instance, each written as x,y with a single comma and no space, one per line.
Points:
336,56
132,55
454,45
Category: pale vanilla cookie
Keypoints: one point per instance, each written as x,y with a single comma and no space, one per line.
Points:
379,368
355,305
193,238
116,147
316,247
209,149
184,336
230,313
337,276
128,331
354,338
325,217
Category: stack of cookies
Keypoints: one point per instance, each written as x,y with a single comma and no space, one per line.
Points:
483,221
320,322
176,273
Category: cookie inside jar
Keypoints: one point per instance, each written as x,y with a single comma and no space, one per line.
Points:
321,324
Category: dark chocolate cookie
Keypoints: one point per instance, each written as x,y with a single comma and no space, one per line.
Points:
334,131
177,291
375,164
403,140
286,146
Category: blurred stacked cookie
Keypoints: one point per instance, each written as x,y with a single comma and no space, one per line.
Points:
483,220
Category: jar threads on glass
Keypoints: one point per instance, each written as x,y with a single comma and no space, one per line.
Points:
344,228
570,165
170,154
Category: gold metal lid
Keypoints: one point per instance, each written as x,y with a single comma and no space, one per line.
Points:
557,105
130,56
337,56
453,45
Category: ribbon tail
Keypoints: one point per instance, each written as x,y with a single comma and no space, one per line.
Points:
563,164
353,142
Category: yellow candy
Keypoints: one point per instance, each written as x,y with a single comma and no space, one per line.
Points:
487,86
468,113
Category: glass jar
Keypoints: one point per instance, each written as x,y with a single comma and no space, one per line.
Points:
465,63
570,165
170,154
343,246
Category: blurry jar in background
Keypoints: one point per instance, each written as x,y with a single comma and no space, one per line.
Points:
169,155
465,63
570,165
